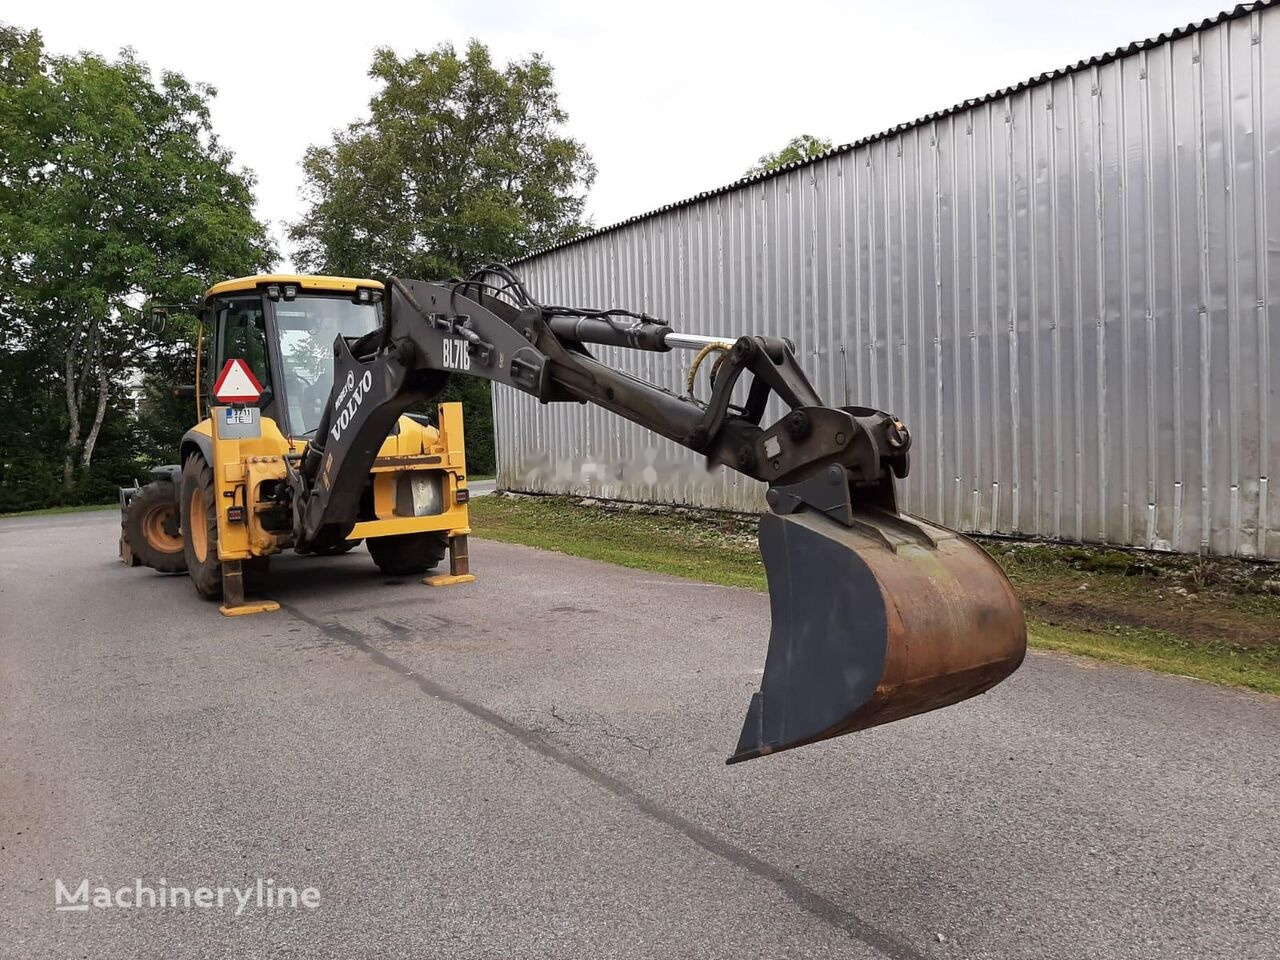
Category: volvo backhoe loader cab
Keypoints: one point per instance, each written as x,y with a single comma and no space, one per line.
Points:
235,498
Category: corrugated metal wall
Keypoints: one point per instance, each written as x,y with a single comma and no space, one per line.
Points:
1066,292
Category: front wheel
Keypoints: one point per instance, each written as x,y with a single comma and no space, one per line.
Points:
152,528
408,554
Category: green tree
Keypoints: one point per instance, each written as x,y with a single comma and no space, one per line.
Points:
113,189
803,147
459,163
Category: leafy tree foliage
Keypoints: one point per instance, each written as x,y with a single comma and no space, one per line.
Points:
113,190
803,147
460,163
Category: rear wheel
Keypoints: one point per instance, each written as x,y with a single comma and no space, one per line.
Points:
200,527
200,534
407,554
153,529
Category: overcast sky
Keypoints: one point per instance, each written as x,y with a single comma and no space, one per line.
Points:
671,98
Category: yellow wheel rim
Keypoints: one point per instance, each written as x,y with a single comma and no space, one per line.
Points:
199,526
155,528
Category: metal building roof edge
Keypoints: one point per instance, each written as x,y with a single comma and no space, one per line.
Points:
1241,10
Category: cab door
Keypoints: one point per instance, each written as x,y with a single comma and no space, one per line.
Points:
240,332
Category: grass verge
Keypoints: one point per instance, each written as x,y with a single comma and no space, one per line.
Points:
1167,615
48,511
1256,668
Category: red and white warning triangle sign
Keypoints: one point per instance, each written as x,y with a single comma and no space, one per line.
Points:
237,384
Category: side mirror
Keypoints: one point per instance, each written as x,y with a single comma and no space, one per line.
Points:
186,391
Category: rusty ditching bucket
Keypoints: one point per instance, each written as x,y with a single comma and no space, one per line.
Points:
874,622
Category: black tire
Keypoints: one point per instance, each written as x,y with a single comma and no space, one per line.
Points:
329,544
408,554
200,527
343,546
153,528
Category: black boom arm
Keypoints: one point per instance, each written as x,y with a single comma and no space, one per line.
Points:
828,458
875,615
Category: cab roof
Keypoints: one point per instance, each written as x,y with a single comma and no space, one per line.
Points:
304,281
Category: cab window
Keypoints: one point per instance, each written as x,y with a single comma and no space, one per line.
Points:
243,334
308,326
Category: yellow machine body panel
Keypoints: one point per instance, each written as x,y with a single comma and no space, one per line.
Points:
247,469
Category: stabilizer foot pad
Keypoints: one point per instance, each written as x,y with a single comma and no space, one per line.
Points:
448,580
253,606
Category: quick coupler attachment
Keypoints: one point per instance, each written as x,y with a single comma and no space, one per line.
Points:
873,621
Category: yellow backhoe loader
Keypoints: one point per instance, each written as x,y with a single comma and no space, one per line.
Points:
877,615
233,499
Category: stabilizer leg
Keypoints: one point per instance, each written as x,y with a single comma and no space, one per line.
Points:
234,603
459,565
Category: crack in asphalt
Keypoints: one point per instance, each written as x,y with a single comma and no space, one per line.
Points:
807,899
603,729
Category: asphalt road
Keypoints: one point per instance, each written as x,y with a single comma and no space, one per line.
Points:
532,766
